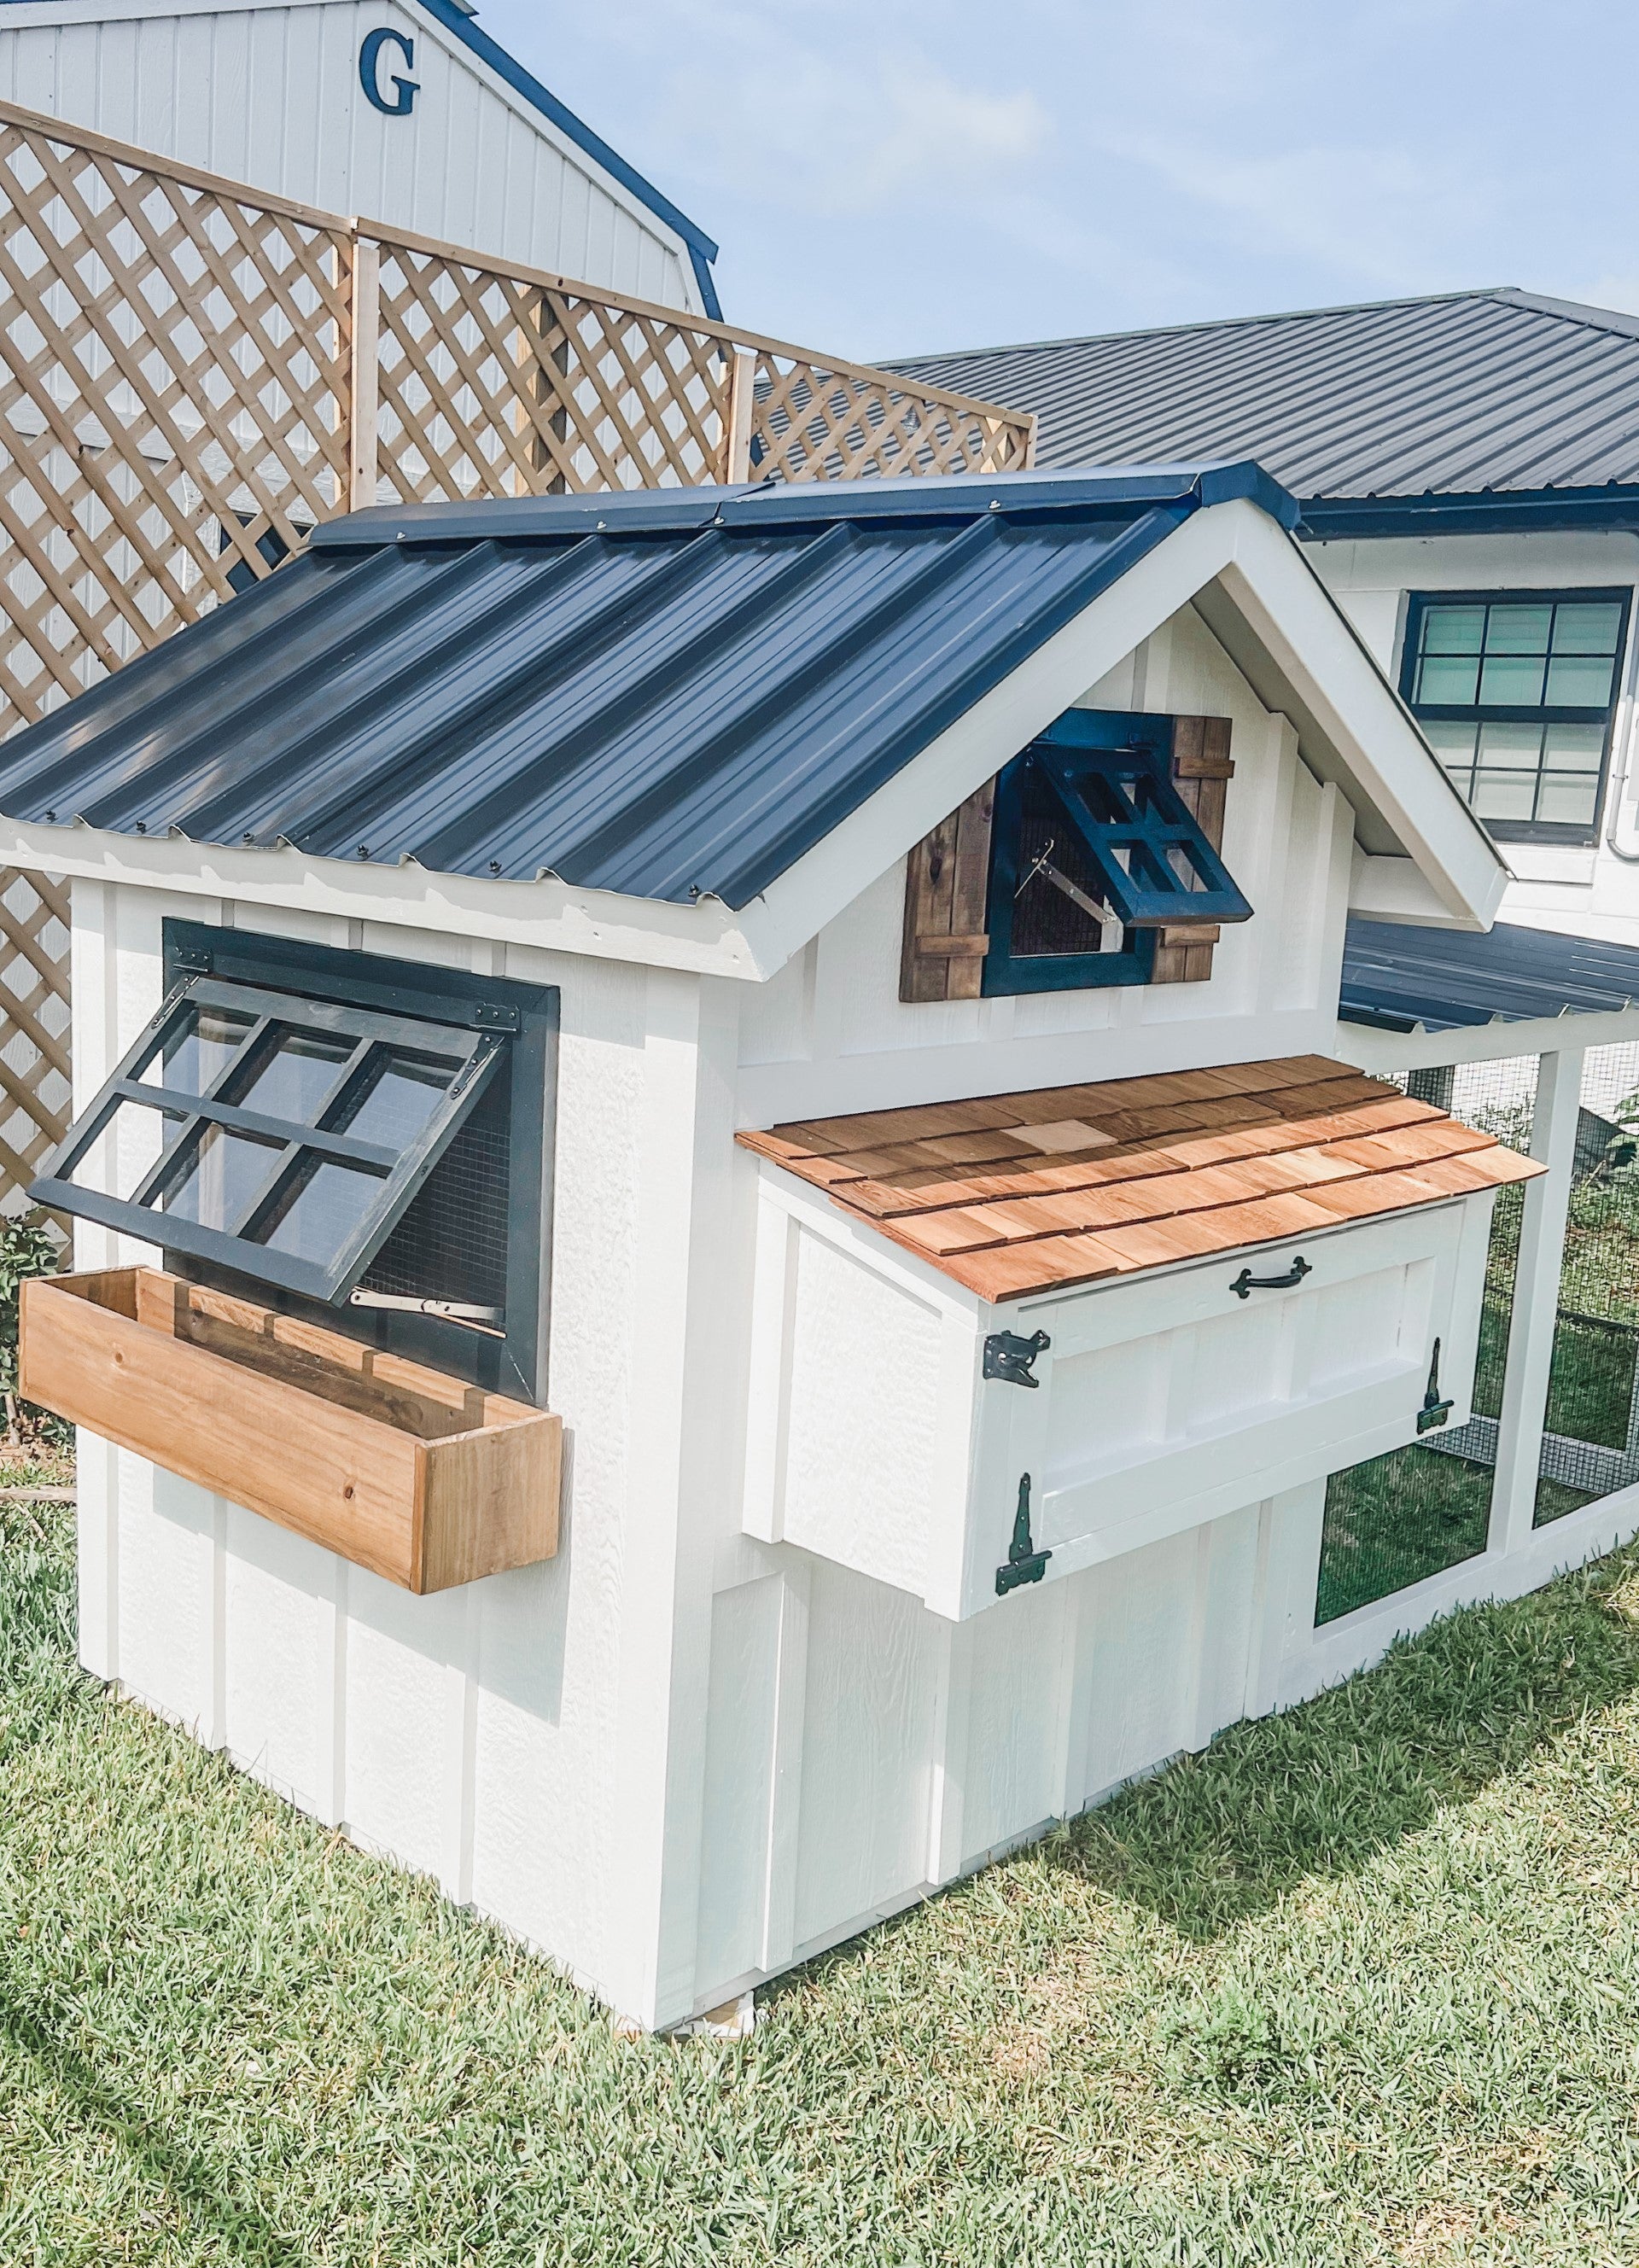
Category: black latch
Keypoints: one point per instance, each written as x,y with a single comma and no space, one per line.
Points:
1010,1357
1245,1284
1024,1563
489,1016
1434,1411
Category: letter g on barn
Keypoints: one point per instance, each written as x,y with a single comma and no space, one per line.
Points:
370,73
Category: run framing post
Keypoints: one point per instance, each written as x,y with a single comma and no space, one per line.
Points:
1535,1300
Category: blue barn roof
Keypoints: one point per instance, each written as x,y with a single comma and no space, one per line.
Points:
669,694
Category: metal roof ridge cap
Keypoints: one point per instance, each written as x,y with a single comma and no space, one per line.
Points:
906,362
499,519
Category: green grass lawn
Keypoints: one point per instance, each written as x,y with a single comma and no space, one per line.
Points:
1357,1986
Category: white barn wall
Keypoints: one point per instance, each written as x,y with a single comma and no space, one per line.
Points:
270,95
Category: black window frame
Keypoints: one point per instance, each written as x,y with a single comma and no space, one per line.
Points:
1570,833
505,1035
1133,743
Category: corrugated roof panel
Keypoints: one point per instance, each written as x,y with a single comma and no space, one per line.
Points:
1473,392
666,697
1397,977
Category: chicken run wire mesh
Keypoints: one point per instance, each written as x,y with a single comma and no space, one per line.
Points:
1397,1519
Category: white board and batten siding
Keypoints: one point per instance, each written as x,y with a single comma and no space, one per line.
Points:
829,1034
681,1755
270,95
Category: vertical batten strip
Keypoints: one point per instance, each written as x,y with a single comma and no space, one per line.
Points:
363,375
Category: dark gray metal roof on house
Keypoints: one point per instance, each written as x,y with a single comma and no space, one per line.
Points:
669,694
1397,977
1508,400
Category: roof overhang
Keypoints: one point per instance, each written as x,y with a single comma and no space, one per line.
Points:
1423,857
1613,508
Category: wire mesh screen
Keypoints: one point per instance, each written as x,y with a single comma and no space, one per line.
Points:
1590,1439
1398,1518
451,1243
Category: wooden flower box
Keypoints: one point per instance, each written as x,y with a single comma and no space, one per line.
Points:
402,1470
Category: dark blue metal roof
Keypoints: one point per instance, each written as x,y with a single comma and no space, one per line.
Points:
669,694
1397,977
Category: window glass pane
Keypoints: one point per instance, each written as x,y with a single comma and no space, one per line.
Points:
1519,630
1504,795
295,1075
1572,748
1453,744
1453,629
199,1047
1515,680
1448,682
319,1207
1586,629
1582,681
126,1151
1568,799
1517,747
223,1171
399,1096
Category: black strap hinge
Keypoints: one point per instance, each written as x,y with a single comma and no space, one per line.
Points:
1434,1411
1024,1563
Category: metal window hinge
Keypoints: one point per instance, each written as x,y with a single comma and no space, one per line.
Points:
1012,1359
1024,1563
491,1016
1434,1411
194,957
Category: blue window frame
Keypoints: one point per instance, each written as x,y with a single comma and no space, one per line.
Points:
1093,852
1515,692
366,1140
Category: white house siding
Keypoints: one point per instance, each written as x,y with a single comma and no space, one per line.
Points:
270,95
1588,892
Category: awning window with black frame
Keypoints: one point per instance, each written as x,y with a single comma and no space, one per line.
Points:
276,1136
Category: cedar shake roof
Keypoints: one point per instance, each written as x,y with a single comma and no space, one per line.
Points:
1017,1193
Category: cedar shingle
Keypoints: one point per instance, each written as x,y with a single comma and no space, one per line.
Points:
1178,1164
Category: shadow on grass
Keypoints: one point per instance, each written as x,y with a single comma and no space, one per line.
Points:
234,2232
1219,1837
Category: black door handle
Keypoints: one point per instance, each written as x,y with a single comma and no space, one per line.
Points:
1245,1284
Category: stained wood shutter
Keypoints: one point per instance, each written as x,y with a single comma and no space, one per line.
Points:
947,878
1201,771
947,881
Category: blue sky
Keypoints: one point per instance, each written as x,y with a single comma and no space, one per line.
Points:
886,175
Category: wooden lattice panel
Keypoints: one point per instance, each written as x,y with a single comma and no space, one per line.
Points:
35,1083
499,385
814,420
170,410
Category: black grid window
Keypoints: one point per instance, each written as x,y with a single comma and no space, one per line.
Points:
1093,852
1515,695
344,1132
